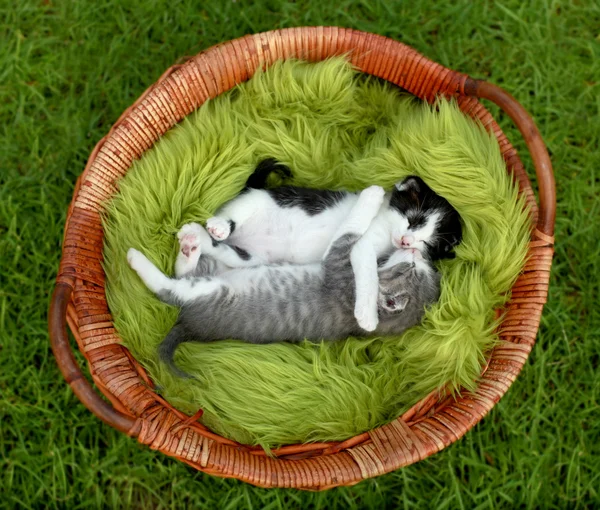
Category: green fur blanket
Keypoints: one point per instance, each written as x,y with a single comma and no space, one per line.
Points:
335,128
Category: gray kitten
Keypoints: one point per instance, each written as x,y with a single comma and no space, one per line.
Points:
288,302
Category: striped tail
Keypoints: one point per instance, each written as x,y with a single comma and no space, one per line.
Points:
167,348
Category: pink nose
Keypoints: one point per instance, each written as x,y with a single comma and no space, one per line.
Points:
407,241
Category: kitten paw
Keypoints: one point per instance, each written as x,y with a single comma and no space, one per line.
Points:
193,241
366,319
136,259
190,244
374,193
191,238
189,228
218,228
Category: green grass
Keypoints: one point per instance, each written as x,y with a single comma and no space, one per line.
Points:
67,71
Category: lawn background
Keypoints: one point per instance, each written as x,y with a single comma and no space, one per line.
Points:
67,71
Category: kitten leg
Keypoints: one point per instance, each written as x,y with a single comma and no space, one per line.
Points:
364,265
153,277
170,290
192,259
363,256
233,214
195,241
361,215
190,244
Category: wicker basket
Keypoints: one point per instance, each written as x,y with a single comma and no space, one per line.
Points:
135,409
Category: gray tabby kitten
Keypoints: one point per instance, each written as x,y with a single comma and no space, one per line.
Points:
288,302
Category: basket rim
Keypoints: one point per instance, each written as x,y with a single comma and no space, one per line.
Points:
433,423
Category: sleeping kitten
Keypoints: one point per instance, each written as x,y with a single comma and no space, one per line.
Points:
288,302
292,224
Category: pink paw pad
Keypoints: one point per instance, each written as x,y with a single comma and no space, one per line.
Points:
218,228
189,244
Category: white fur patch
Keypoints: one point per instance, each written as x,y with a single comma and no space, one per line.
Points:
426,232
398,257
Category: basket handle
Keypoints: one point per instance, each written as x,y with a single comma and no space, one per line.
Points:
71,371
539,154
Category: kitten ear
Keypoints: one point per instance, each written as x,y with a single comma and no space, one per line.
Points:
396,303
409,183
402,302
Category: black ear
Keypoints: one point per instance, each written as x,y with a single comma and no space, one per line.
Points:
410,183
447,252
441,251
457,238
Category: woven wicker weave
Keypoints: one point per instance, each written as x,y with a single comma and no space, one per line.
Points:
135,409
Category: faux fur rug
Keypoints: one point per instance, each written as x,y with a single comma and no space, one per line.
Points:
335,128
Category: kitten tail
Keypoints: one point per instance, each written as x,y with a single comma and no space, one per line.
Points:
258,179
167,348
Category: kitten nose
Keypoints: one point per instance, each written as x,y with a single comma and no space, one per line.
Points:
407,240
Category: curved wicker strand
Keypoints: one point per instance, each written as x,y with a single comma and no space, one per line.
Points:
71,371
535,144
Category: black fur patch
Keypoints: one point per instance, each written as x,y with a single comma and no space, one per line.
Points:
258,179
311,201
243,254
416,219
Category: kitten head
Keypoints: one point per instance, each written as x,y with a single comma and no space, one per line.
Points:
394,288
393,303
433,224
396,278
406,275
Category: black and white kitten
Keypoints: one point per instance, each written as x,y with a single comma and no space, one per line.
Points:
293,224
288,302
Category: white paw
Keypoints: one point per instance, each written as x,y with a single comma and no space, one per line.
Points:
189,228
218,228
133,257
366,319
373,194
193,239
417,254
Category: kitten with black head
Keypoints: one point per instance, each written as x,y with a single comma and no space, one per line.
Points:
287,302
294,224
